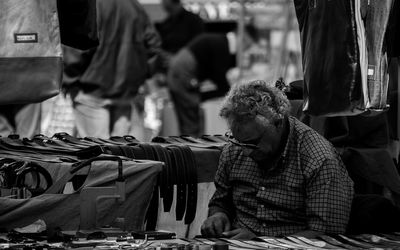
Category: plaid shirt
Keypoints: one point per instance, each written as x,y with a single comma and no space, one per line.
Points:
308,188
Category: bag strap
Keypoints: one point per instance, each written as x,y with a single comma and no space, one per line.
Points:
126,139
36,170
58,186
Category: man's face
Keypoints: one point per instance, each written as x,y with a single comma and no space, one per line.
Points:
257,141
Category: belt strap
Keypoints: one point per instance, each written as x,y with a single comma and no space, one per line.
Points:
126,139
111,142
128,151
94,139
178,139
138,152
179,161
131,139
50,144
166,184
63,136
28,146
152,211
191,177
163,139
93,151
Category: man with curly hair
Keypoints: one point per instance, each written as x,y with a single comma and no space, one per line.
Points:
277,176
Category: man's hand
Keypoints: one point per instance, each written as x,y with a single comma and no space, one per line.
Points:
239,233
214,225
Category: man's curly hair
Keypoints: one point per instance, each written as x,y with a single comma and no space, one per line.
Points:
245,101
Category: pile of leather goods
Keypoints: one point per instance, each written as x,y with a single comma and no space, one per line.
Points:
180,165
43,178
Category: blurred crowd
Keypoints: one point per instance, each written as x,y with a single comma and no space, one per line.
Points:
116,87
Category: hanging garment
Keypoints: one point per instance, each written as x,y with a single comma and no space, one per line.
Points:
376,22
30,51
348,75
78,24
330,56
392,32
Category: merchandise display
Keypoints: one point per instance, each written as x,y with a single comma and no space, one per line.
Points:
68,240
322,160
54,165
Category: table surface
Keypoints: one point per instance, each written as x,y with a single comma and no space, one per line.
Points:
365,241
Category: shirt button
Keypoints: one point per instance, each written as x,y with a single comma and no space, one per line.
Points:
262,188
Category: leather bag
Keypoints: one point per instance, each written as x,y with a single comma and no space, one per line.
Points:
30,51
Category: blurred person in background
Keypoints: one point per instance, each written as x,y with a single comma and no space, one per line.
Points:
207,57
179,27
104,82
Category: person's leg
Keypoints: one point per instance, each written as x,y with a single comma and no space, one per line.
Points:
21,119
27,120
92,117
5,126
185,94
120,120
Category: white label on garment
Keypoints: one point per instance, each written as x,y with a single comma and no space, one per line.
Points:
25,37
371,72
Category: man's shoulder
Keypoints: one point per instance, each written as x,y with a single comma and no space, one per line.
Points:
311,143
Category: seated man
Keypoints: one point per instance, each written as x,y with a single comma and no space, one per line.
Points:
276,176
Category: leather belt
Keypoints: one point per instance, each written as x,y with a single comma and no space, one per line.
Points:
166,186
93,151
181,181
94,139
152,211
45,141
163,139
127,139
25,146
127,151
191,177
70,139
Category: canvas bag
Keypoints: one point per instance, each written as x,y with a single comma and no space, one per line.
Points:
30,51
64,210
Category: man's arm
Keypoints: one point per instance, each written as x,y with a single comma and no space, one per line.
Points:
221,209
329,197
222,201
